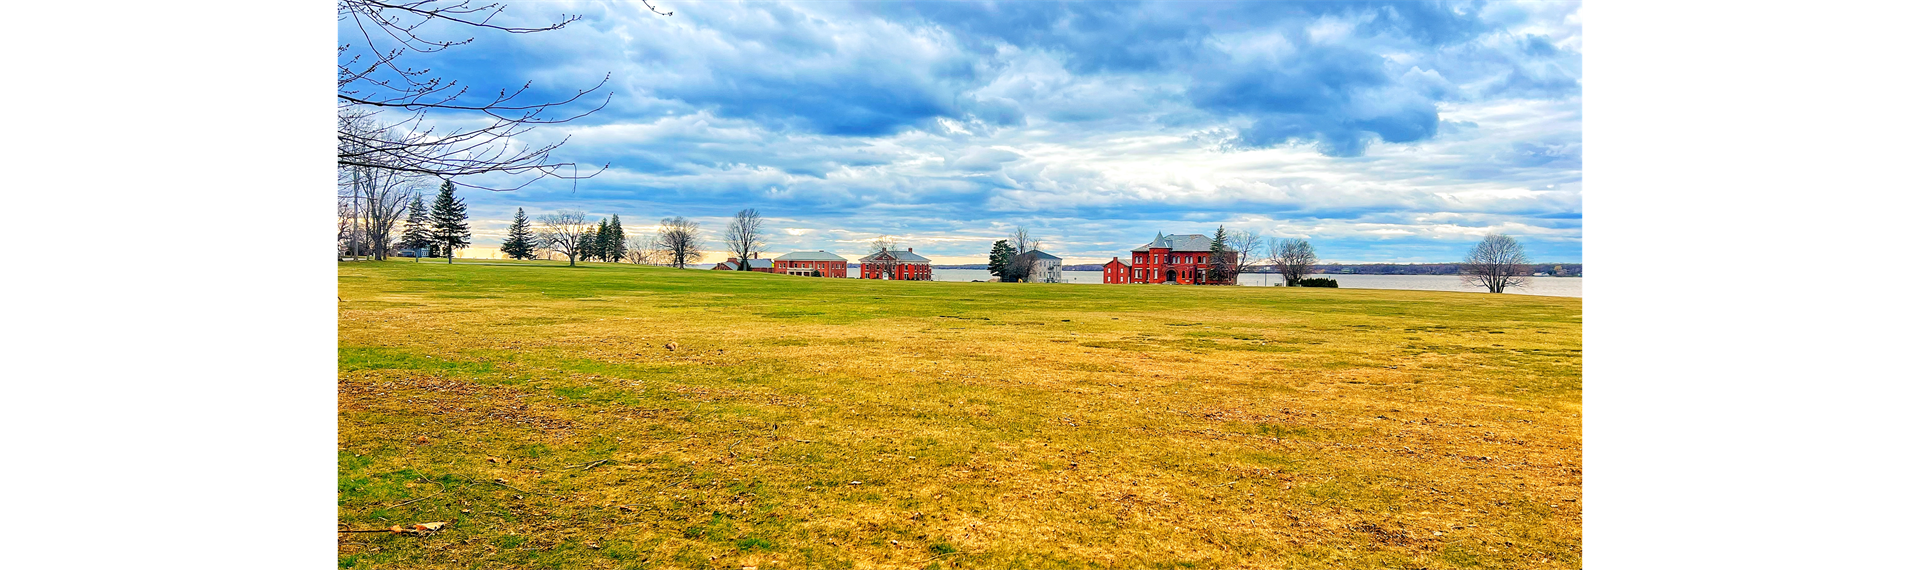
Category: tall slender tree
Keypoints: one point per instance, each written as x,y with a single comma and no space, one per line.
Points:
450,220
418,233
519,244
614,243
1219,259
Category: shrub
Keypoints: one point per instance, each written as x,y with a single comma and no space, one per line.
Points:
1319,282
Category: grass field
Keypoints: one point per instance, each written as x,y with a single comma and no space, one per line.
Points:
611,416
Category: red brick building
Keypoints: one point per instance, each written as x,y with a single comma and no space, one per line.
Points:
811,264
1168,259
897,265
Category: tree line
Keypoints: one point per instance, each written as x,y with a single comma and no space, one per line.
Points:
675,242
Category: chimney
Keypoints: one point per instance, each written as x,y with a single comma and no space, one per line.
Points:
734,260
909,250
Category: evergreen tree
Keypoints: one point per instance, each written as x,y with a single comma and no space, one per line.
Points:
616,241
590,244
419,231
450,220
1217,266
519,244
600,236
999,258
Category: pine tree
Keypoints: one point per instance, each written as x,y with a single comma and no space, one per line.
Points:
590,244
1217,267
450,220
999,258
616,248
600,235
519,244
418,233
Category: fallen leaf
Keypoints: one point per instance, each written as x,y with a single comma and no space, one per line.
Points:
430,527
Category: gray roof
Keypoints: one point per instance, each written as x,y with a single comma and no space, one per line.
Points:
1037,254
810,256
1179,242
898,255
759,263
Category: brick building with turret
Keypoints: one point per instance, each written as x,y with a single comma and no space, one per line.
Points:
1167,259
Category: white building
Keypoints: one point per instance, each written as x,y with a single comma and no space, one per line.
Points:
1046,267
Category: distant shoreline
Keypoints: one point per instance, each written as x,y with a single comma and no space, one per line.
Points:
1565,269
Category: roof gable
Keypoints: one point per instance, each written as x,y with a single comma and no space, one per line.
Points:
895,255
821,255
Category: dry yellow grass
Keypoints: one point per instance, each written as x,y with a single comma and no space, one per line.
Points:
806,423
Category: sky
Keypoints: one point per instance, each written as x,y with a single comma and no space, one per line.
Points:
1397,132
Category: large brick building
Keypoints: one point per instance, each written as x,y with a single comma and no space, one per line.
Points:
897,265
811,264
1168,259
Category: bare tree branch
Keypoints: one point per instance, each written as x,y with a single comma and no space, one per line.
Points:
372,83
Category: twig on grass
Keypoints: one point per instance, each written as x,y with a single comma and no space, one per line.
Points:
586,466
938,557
402,504
503,483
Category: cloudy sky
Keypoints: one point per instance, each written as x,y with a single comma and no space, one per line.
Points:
1386,132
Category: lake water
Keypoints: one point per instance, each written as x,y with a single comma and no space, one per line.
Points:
1548,286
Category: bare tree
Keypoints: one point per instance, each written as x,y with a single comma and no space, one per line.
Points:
384,198
564,232
681,240
1020,265
1022,241
374,86
1247,248
642,250
1294,258
1497,263
881,243
744,236
343,212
